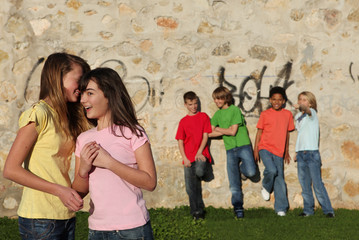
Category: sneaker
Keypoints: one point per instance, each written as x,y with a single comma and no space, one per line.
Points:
198,215
257,177
239,213
281,213
265,194
303,215
243,177
330,215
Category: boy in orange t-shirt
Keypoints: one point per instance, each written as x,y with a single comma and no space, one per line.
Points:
271,146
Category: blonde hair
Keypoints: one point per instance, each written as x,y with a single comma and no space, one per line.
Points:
223,93
311,99
71,117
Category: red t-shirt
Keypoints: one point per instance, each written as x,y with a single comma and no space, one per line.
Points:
275,125
190,130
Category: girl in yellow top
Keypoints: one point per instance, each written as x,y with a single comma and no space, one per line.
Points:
40,156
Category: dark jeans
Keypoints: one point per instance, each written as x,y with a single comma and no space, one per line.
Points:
193,176
143,232
47,229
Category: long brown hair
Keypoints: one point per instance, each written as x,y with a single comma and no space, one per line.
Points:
123,112
71,117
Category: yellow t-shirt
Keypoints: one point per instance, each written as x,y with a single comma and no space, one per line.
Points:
49,159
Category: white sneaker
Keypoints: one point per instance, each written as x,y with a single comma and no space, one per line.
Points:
281,213
265,194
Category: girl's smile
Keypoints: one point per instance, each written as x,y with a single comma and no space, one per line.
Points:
71,85
94,102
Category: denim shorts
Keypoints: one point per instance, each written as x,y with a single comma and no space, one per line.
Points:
46,229
139,233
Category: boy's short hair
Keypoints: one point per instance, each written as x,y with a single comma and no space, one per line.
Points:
189,96
223,93
279,90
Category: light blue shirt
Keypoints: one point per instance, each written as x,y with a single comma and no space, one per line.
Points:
308,131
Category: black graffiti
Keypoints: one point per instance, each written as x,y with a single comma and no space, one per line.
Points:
30,75
351,72
243,95
122,71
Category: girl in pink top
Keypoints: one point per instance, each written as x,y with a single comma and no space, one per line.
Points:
113,160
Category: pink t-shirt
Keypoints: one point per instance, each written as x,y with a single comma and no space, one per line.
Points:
190,130
115,204
275,125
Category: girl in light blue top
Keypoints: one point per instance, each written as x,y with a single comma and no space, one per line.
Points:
308,157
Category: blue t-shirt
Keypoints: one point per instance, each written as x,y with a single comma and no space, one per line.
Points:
308,131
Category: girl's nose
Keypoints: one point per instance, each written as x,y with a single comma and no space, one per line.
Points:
83,98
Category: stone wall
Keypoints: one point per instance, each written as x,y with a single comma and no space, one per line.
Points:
163,48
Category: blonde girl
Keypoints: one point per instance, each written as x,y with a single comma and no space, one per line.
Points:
40,156
308,157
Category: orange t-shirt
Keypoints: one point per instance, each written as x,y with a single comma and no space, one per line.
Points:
275,125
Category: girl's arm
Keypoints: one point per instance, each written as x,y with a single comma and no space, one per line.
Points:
255,150
83,166
144,177
199,156
303,109
80,183
13,170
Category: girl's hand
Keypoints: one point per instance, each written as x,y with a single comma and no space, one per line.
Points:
70,198
296,106
88,154
103,158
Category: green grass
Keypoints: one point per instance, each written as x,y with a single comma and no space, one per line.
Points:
259,223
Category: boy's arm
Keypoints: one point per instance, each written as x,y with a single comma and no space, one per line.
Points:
255,151
199,156
186,162
286,152
214,133
231,131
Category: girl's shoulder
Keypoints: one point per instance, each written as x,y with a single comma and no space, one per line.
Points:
126,132
39,112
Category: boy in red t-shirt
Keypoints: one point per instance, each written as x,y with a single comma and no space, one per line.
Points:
192,136
271,145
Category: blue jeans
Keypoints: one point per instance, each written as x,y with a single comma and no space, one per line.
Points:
143,232
193,176
273,179
309,172
47,229
235,156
